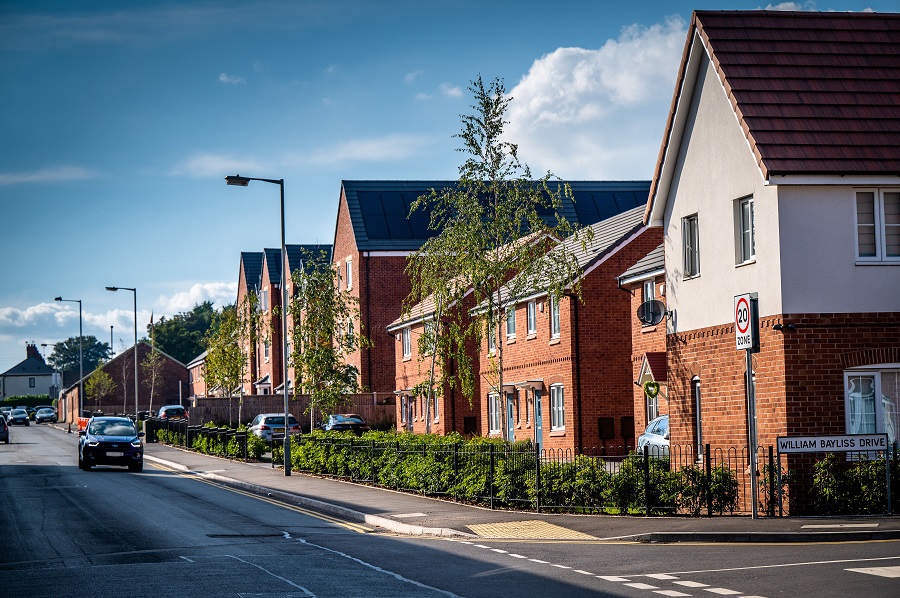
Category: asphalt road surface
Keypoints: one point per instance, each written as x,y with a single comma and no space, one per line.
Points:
108,532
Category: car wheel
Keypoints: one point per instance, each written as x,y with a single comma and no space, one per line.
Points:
85,466
136,467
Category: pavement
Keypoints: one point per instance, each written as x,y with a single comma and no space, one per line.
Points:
411,514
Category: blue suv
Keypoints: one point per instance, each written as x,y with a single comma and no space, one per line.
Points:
110,441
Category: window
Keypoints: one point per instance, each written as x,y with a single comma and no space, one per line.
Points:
31,383
266,350
531,314
690,239
349,335
511,322
878,226
554,317
698,417
407,343
403,408
870,401
648,292
349,274
494,413
430,337
746,233
265,300
492,338
557,408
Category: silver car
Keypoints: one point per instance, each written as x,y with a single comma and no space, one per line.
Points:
265,425
656,437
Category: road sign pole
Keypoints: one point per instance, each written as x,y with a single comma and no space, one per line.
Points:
746,328
751,429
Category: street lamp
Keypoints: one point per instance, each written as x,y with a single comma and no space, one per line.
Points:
80,355
114,289
242,181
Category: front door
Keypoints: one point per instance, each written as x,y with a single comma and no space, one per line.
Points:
538,420
510,425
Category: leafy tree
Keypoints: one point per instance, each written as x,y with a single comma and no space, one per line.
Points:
324,334
183,336
126,369
232,329
65,354
99,385
493,228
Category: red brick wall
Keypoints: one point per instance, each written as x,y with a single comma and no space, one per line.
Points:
799,375
249,344
197,380
270,331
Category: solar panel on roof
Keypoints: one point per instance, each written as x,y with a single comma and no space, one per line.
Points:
373,215
395,212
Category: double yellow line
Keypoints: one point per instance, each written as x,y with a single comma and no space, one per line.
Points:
356,527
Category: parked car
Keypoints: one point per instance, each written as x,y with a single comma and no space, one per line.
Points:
4,430
32,411
172,412
656,436
18,417
48,414
110,441
4,411
345,422
265,425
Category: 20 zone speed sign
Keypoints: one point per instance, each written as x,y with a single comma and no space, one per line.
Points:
743,329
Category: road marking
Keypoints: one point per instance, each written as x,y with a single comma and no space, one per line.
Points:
534,530
641,586
612,578
284,579
692,584
538,561
583,572
517,556
722,591
838,525
187,559
880,571
660,576
404,515
379,569
780,565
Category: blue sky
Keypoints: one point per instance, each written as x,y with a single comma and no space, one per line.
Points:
120,120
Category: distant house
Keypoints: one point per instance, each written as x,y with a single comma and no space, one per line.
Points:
32,376
197,386
374,236
778,175
249,275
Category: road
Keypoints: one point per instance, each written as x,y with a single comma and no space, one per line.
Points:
109,532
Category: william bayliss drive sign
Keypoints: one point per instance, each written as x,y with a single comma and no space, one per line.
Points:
848,443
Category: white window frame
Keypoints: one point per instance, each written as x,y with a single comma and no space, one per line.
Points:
690,242
531,316
511,322
882,229
557,407
881,409
745,231
265,300
554,317
491,337
406,340
348,267
429,333
648,291
266,350
495,414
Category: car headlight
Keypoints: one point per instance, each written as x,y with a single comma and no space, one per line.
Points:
136,443
93,443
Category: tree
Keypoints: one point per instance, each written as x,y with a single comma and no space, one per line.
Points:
232,329
152,366
493,231
99,385
183,336
324,333
127,371
65,354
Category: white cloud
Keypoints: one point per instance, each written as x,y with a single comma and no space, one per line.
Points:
219,293
231,79
205,165
379,149
421,97
411,76
451,91
598,114
46,175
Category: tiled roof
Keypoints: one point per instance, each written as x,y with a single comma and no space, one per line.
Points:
815,93
379,210
656,361
31,366
655,261
252,262
273,264
297,254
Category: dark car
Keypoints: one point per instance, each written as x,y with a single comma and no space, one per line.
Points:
4,430
18,417
345,422
172,412
48,414
110,441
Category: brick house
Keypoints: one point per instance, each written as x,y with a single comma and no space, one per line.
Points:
197,376
31,376
646,282
268,348
567,363
249,275
777,174
169,389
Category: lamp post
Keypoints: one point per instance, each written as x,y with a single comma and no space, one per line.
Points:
133,290
80,355
242,181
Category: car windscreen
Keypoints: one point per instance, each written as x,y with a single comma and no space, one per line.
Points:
350,419
275,420
18,412
112,428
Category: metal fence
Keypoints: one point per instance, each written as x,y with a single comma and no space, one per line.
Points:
219,441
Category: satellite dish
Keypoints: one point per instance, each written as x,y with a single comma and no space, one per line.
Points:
651,312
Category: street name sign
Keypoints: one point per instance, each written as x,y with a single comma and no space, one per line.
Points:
847,443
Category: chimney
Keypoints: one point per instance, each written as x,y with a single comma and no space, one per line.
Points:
31,351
